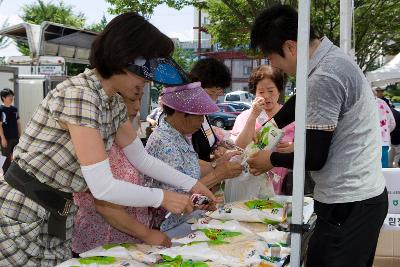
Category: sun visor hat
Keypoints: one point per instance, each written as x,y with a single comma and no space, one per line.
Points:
160,70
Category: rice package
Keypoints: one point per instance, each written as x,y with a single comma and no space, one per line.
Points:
268,136
212,237
101,261
138,252
275,237
257,210
308,206
246,253
228,225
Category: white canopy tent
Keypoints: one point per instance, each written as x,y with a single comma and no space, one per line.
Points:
388,73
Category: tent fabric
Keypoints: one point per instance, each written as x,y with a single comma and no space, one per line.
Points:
388,73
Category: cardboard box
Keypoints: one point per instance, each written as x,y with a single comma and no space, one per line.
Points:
388,249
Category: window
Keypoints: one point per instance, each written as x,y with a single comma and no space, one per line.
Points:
247,70
232,98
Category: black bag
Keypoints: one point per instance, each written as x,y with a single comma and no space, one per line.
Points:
287,186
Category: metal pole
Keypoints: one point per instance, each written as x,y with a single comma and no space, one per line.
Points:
346,18
199,36
300,133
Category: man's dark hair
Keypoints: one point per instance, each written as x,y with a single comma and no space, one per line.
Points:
211,73
6,92
125,38
277,76
273,27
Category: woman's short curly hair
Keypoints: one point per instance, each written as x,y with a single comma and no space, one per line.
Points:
211,73
266,71
125,38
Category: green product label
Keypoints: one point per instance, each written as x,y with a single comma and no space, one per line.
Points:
97,259
218,234
263,204
178,262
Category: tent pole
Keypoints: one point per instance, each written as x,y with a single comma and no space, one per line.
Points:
346,18
300,133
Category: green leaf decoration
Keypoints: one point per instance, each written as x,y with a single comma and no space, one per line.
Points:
263,204
98,260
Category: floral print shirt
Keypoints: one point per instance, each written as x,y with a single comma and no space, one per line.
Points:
175,149
386,121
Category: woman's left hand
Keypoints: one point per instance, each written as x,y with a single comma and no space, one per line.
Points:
201,189
285,147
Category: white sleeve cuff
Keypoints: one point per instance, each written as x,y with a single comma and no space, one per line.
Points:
104,186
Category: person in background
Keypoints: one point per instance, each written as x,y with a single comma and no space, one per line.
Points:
152,118
214,77
100,222
10,128
387,125
394,153
380,94
267,84
342,142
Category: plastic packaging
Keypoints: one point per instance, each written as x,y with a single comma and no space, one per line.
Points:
230,225
258,210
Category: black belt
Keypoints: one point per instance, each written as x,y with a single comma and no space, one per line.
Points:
58,203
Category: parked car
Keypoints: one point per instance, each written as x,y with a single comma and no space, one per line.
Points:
226,108
239,106
222,120
242,96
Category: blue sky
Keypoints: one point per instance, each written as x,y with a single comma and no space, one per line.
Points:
170,21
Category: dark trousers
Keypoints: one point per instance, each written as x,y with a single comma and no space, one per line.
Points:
346,234
7,152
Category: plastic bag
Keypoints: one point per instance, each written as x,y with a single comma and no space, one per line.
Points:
138,252
230,225
211,236
258,210
98,261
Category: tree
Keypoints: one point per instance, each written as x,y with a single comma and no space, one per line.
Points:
377,31
40,11
184,58
98,27
4,41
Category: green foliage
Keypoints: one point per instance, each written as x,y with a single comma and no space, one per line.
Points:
98,27
4,41
145,7
395,98
377,31
185,58
59,12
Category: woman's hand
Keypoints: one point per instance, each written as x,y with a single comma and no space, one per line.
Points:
156,238
257,107
176,203
285,147
201,189
228,169
227,156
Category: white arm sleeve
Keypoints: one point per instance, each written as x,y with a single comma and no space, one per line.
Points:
155,168
104,186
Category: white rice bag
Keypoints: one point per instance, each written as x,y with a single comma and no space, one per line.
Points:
230,225
101,262
139,252
275,237
257,210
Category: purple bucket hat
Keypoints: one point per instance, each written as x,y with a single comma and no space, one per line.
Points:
189,98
